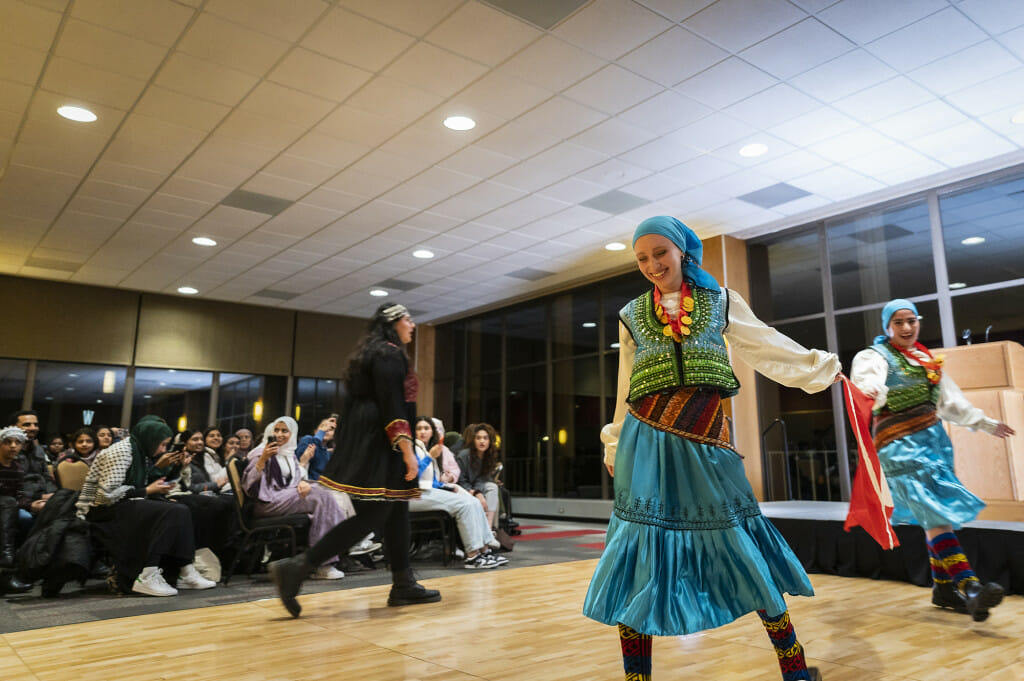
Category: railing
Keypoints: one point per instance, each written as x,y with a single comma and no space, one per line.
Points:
767,463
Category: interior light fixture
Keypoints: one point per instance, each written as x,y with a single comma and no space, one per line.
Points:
108,382
459,123
615,246
973,240
1018,118
423,254
182,423
752,150
589,325
77,113
378,292
188,290
73,375
172,371
146,397
257,411
958,284
203,241
614,345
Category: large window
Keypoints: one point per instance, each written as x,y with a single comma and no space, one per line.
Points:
182,398
983,231
68,396
12,386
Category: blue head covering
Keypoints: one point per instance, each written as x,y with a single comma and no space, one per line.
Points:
688,242
891,308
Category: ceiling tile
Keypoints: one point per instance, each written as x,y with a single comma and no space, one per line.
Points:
851,144
276,101
483,34
974,65
634,26
108,50
726,83
360,127
213,39
992,95
350,38
518,140
922,120
613,89
175,107
837,183
287,21
434,70
412,16
20,64
318,75
155,21
884,99
613,137
797,49
549,166
552,64
966,143
661,153
191,76
814,126
674,55
498,94
327,150
844,75
278,186
300,220
390,98
676,10
895,164
86,85
702,169
939,35
478,162
773,106
28,26
866,20
738,24
711,133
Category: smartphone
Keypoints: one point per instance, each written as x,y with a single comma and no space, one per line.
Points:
173,481
334,416
269,441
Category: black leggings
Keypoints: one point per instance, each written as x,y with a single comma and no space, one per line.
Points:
390,519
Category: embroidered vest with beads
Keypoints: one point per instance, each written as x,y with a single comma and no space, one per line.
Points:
702,359
908,384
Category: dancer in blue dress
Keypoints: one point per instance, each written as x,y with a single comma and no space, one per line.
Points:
687,547
911,395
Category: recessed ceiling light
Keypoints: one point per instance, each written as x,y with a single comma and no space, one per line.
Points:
1018,118
958,284
589,325
99,401
378,292
203,241
752,150
77,113
73,375
423,254
459,123
188,290
146,397
973,240
615,246
172,371
614,345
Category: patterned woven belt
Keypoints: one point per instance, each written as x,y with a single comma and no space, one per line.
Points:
890,426
691,413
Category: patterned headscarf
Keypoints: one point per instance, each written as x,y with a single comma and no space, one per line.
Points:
392,313
13,433
891,308
686,240
146,437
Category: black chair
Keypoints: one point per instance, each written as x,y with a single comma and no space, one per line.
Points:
260,534
426,525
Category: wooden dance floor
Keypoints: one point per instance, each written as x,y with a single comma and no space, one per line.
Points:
521,624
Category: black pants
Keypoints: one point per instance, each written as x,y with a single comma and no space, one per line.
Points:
390,519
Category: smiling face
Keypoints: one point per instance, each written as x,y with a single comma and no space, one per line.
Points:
660,261
29,423
904,328
281,433
194,443
104,438
214,439
232,444
404,328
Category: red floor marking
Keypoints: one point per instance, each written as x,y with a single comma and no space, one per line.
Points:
597,545
556,535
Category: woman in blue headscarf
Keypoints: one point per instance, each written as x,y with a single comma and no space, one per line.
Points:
912,394
687,547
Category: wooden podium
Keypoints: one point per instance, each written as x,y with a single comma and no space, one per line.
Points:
991,375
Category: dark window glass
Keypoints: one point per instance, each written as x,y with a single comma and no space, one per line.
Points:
483,344
315,400
1002,310
236,409
993,214
524,448
881,255
574,323
69,396
483,398
526,330
12,388
576,429
182,398
618,292
786,277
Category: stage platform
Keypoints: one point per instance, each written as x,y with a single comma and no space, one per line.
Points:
814,529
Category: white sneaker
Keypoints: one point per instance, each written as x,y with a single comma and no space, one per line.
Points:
328,572
189,578
153,584
363,547
480,561
498,558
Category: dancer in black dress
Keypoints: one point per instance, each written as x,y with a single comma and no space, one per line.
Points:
373,462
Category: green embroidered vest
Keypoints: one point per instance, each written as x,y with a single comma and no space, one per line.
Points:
701,360
908,384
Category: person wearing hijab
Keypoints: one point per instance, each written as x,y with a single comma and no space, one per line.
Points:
687,547
276,478
142,531
913,396
376,464
245,443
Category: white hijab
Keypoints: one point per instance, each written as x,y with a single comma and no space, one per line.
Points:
285,453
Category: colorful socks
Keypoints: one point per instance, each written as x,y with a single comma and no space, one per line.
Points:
945,548
789,650
636,654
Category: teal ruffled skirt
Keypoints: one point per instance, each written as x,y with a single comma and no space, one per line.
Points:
687,547
924,486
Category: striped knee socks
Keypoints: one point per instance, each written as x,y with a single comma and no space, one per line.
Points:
636,654
945,550
790,652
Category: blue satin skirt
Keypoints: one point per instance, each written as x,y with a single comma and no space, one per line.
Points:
687,547
924,486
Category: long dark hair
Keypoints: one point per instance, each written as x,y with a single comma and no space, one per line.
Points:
434,436
489,460
380,335
219,451
84,430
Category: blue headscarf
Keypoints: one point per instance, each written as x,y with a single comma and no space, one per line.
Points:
688,242
891,308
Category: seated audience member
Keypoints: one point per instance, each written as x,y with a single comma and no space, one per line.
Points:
83,446
231,447
450,471
54,448
215,442
478,464
208,471
214,520
275,479
142,531
104,437
38,484
245,443
436,495
12,506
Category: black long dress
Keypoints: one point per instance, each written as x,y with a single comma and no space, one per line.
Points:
367,463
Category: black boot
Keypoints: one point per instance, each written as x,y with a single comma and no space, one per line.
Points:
945,595
814,673
9,584
8,531
405,590
288,575
980,598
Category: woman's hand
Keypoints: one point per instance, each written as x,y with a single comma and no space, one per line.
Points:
435,451
307,455
1003,431
268,451
166,459
221,480
304,488
412,464
611,469
160,486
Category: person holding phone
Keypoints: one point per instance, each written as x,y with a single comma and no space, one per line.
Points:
143,534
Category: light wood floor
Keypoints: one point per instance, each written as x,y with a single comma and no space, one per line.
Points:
519,625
